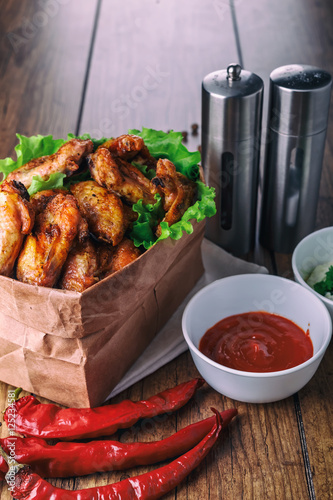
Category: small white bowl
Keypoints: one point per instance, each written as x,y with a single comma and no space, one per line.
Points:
256,292
311,251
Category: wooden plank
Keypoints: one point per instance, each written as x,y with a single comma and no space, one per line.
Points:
44,49
275,34
256,457
260,440
317,413
148,64
149,61
166,49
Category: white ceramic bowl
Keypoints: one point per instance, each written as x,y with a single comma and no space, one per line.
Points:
256,292
313,250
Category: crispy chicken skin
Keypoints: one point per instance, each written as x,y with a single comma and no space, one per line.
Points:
66,160
177,191
16,219
125,146
81,267
145,158
40,199
46,249
105,254
124,253
103,210
89,262
115,174
130,147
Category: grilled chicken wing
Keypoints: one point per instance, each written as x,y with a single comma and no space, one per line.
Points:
177,191
104,256
81,267
145,158
16,219
124,253
46,249
115,174
124,146
66,160
40,199
89,262
103,210
130,147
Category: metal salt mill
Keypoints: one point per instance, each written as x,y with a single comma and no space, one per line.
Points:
297,121
231,127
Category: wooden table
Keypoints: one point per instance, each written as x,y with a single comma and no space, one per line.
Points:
103,67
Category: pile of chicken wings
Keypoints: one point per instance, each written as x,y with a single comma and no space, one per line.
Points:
72,238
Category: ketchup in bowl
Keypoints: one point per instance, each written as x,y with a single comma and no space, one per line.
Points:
257,342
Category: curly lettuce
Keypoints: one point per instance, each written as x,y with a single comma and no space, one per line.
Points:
169,145
161,145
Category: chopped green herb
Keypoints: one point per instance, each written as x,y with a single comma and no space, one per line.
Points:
326,285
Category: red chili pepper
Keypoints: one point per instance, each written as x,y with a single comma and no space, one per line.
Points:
32,418
80,459
27,485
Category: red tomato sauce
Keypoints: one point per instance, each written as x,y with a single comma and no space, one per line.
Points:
257,342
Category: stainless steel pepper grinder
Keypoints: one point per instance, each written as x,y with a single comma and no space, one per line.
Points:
297,121
230,142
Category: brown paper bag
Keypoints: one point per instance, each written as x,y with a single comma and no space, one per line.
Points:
73,348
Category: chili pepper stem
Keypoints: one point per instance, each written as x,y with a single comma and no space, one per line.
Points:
12,464
17,392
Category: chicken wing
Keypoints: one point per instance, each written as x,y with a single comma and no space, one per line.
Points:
177,191
130,147
105,254
16,219
46,249
66,160
125,146
145,158
103,210
40,199
124,253
115,174
80,270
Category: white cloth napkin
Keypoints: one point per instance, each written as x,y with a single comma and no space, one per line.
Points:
169,342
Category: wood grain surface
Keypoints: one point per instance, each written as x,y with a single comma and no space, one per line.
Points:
103,67
304,36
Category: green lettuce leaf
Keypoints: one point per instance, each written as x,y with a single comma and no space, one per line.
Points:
56,180
149,215
150,173
169,145
161,145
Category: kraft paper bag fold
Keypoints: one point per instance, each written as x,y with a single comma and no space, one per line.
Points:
72,314
74,348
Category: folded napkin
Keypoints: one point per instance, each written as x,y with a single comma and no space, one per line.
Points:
169,342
